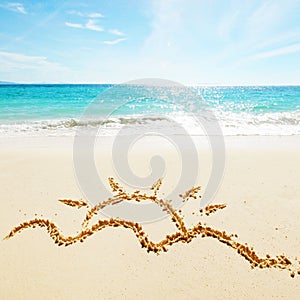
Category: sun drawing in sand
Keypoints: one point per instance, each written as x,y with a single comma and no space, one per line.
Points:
183,234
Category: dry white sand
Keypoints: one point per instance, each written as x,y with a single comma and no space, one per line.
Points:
261,189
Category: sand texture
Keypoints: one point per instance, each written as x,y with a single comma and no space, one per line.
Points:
244,245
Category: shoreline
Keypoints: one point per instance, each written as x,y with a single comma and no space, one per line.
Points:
234,141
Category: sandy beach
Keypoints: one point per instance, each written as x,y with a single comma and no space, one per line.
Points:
261,190
149,150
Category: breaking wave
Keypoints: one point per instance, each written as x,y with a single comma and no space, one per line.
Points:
232,123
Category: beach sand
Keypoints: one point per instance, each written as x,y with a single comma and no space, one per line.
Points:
260,187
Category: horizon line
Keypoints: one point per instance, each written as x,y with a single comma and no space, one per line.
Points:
118,83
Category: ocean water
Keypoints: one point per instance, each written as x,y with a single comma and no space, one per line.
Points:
60,110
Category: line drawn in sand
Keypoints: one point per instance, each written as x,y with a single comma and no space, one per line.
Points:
183,234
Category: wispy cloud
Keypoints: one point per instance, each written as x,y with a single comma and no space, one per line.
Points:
14,6
19,67
74,25
279,40
280,51
269,16
257,29
167,21
114,42
228,24
116,32
90,25
92,15
13,61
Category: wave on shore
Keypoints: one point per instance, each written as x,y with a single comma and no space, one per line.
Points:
232,124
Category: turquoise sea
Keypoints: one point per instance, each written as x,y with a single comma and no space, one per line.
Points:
57,109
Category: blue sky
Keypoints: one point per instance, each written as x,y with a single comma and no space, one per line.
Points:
190,41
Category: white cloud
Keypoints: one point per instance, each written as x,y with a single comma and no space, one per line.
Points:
11,61
279,51
14,6
114,42
92,15
90,25
116,32
74,25
23,68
